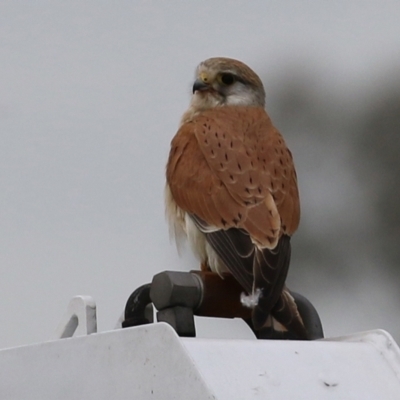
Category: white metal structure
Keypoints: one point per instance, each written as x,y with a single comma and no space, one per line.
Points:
152,362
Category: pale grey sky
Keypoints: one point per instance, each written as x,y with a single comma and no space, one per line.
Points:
91,94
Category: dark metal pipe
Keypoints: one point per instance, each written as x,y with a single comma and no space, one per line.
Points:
137,307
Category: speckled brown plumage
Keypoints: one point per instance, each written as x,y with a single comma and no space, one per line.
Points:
231,168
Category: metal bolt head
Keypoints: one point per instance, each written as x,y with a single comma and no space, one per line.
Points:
174,288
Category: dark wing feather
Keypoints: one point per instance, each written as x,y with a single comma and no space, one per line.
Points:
252,267
240,265
271,268
235,248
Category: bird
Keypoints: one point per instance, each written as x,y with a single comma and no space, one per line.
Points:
231,190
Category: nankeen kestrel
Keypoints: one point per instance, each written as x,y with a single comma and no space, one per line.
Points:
232,190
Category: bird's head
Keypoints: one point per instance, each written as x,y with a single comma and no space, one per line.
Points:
224,81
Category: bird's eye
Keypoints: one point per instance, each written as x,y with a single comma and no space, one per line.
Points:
227,79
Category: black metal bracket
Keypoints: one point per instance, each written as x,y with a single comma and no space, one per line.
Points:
179,296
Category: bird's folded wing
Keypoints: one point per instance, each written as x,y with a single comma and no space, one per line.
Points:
230,167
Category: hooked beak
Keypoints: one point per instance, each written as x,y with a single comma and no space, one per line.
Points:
200,85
